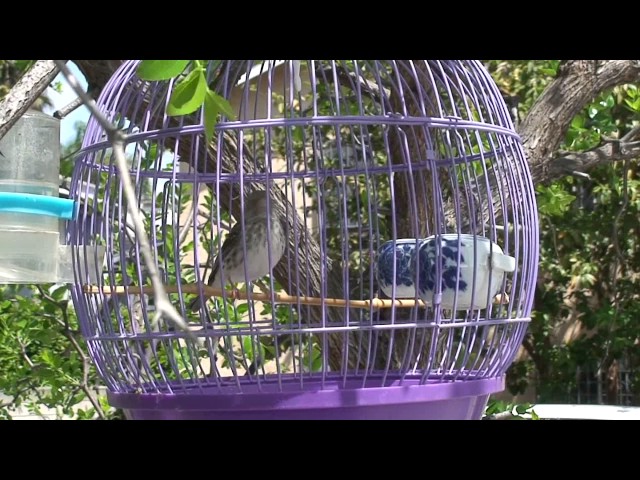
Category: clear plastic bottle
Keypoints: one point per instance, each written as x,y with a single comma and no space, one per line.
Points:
30,163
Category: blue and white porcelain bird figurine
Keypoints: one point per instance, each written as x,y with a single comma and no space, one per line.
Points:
470,269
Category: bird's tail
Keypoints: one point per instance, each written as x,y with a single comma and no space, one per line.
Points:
195,304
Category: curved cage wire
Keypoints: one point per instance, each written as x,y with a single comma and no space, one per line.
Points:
366,162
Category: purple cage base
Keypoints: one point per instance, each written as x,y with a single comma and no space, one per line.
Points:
328,400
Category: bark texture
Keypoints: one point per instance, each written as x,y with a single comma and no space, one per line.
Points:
25,92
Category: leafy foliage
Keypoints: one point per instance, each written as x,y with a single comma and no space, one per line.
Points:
589,273
513,411
42,356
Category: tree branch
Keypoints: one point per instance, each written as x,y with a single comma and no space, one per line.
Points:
97,73
118,139
579,162
25,92
545,126
19,392
538,360
542,130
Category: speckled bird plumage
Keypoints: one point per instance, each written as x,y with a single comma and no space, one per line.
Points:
232,253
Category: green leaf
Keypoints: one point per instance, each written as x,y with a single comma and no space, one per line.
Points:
495,406
59,292
633,105
48,358
577,122
189,94
266,309
150,157
298,135
223,105
608,102
242,308
45,336
154,70
316,364
22,65
248,347
210,115
213,105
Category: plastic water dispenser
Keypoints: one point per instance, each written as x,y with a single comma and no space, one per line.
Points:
31,211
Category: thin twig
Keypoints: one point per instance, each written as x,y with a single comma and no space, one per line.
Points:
631,134
581,174
66,110
611,150
23,351
619,260
68,334
186,228
19,392
118,139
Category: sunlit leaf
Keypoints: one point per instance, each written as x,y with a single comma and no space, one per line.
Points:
188,95
214,104
155,70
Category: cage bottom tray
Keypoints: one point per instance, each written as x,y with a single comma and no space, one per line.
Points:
316,399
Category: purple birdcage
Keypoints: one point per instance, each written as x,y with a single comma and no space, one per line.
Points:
390,270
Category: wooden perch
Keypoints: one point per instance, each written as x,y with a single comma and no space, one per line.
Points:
238,295
278,297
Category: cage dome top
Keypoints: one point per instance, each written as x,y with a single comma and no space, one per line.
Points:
459,93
